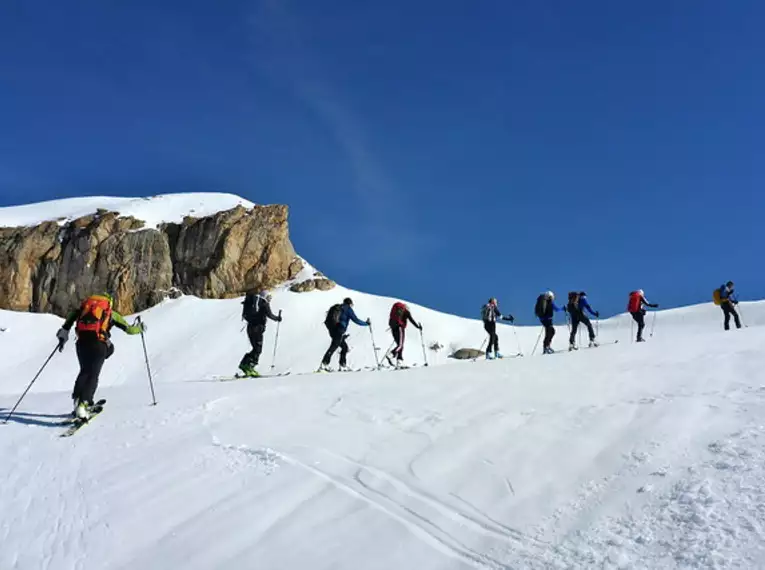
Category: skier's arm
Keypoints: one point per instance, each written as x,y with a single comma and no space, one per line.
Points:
70,318
555,307
586,307
355,319
647,304
415,324
270,313
120,322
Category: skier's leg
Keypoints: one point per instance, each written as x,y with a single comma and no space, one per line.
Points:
736,318
256,339
396,331
343,351
83,357
640,319
334,345
491,328
401,337
91,355
726,313
549,334
590,330
574,328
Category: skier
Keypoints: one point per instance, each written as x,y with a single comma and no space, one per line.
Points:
726,297
489,314
577,305
545,310
400,316
636,308
338,318
256,310
94,320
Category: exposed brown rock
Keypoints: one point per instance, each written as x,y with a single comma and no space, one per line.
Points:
313,285
50,268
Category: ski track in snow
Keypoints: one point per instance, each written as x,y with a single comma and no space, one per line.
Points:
638,456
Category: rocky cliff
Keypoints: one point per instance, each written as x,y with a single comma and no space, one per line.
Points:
51,267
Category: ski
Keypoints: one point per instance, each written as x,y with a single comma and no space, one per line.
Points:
76,424
243,377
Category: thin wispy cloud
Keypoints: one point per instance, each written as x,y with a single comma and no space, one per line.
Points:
279,50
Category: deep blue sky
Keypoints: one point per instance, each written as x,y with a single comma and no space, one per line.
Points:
438,151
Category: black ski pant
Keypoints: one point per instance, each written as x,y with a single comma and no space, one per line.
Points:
491,328
255,334
91,355
338,336
575,321
399,335
549,333
639,317
730,310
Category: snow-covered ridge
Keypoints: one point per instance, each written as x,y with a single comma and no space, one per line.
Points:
156,210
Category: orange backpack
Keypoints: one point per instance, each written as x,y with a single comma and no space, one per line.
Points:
95,316
634,304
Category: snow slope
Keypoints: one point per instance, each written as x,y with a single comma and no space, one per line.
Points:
625,456
154,210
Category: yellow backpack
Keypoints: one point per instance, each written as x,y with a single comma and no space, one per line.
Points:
716,297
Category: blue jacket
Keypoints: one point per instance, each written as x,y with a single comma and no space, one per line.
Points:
728,295
585,306
348,315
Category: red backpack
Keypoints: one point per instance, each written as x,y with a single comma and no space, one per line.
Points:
398,314
635,303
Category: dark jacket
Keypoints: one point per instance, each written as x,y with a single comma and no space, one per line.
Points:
256,310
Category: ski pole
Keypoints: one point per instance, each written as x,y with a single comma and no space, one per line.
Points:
422,340
146,358
276,341
653,323
8,417
536,344
517,341
374,346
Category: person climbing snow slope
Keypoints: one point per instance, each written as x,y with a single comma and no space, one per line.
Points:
337,320
577,305
256,310
94,320
636,308
490,314
545,310
400,316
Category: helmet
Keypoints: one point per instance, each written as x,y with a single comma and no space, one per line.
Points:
492,301
729,284
549,294
347,301
640,292
582,294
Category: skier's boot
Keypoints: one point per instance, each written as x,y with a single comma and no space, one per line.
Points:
252,373
390,360
81,411
498,355
324,368
489,356
548,350
640,340
344,368
593,344
571,347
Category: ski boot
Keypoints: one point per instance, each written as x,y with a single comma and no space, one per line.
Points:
548,350
498,355
324,368
489,356
344,368
390,361
593,344
248,371
82,411
572,346
640,340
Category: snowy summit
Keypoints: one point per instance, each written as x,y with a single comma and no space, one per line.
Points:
154,210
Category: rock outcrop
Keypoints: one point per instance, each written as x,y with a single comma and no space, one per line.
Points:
51,267
308,285
467,353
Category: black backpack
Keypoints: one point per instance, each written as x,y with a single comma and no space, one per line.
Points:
333,315
249,306
541,307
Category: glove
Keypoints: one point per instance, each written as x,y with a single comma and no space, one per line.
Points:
419,327
369,322
138,328
510,318
565,309
279,319
597,315
655,305
62,335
